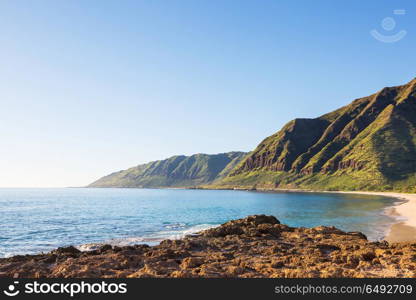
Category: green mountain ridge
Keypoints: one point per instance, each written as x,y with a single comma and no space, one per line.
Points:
369,144
176,171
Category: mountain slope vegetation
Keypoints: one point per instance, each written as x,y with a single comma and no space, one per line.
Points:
176,171
369,144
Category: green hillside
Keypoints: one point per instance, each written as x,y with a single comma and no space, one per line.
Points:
369,144
176,171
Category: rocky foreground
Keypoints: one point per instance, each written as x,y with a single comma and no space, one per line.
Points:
256,246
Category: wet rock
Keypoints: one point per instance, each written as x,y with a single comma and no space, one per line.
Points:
66,251
49,259
357,234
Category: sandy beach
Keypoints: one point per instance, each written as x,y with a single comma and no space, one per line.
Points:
405,210
405,230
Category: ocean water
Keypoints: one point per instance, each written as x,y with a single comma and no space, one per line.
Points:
38,220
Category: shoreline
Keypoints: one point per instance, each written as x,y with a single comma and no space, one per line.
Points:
403,211
404,230
257,246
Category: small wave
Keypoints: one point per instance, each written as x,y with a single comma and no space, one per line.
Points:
175,226
390,211
151,239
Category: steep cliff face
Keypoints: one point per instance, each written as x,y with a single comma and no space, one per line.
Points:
279,151
368,144
176,171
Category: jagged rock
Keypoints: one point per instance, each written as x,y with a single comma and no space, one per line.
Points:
256,246
325,248
105,248
238,227
191,262
71,250
368,255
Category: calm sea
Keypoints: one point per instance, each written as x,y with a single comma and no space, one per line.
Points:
36,220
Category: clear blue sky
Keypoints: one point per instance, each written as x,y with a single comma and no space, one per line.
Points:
91,87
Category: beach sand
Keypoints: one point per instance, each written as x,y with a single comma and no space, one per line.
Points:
401,232
405,211
405,230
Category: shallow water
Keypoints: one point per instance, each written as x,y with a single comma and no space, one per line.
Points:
36,220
